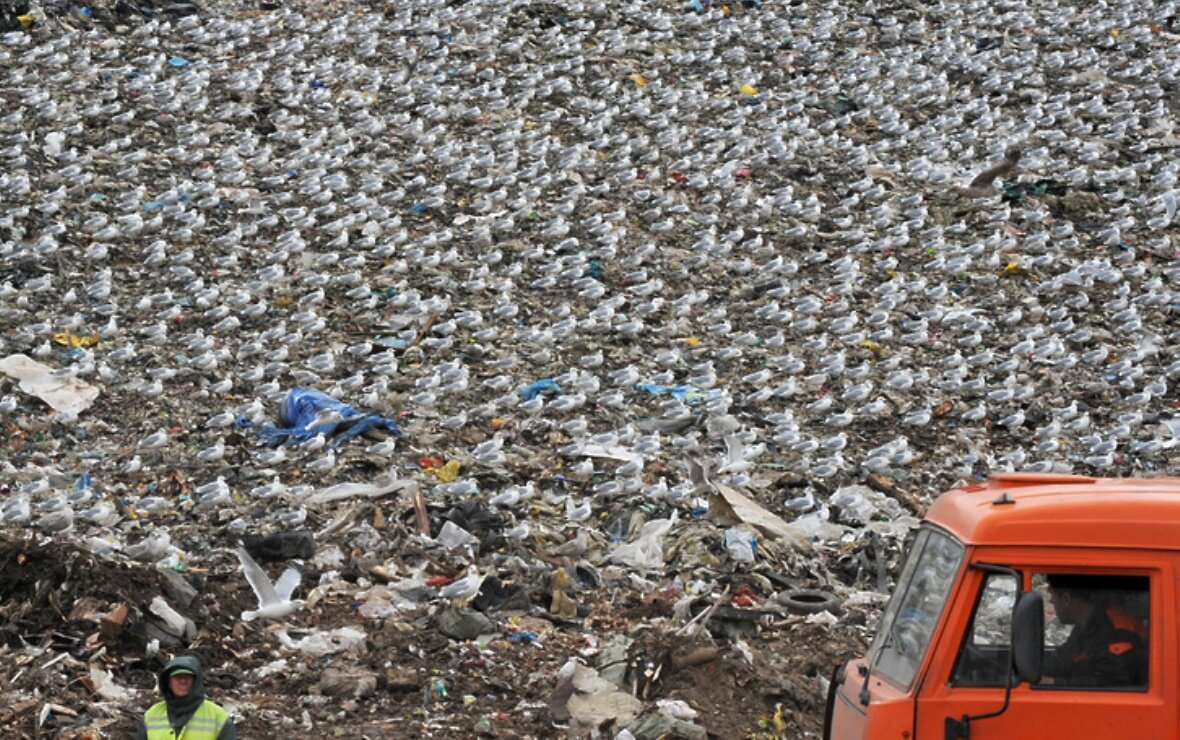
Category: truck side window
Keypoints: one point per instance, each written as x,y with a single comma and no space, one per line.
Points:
1096,630
983,657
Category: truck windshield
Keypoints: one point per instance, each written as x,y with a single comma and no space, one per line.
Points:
909,621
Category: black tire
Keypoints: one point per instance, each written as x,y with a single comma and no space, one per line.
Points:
809,601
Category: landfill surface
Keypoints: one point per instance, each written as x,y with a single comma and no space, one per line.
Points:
573,369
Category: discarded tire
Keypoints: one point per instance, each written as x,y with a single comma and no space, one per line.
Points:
809,601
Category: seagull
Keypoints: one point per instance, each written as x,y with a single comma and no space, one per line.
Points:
519,532
224,419
269,490
272,457
465,589
513,495
314,444
384,448
150,549
735,457
102,514
981,186
325,416
213,488
41,485
455,422
214,452
577,513
324,463
154,441
274,599
490,446
1173,427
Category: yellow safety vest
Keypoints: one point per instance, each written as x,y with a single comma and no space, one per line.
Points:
205,724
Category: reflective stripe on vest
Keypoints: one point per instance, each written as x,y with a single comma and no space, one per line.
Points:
205,724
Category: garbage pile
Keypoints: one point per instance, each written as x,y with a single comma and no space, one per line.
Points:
548,370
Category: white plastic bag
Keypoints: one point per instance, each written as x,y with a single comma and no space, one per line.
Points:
741,544
174,623
319,644
646,553
452,536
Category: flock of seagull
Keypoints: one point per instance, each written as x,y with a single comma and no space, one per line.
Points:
922,240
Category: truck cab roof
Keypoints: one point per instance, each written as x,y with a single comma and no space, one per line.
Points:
1063,511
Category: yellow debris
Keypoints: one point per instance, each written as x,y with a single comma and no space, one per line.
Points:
447,473
74,341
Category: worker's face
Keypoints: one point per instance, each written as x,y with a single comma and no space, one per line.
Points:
1065,603
180,685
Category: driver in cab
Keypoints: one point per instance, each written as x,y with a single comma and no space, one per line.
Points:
1107,646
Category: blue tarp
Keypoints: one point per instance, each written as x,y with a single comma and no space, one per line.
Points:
532,390
301,407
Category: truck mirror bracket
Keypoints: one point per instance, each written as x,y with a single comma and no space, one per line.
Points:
960,729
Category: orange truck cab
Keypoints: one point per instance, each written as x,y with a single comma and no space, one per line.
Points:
1029,606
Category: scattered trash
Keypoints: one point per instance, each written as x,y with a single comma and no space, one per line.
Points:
730,506
588,701
436,309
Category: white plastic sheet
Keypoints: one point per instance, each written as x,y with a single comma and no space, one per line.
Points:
63,394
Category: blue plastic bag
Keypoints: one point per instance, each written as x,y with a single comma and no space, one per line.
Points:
532,390
301,408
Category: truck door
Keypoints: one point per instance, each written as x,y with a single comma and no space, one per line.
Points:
1105,671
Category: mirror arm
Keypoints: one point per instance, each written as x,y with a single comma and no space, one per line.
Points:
960,729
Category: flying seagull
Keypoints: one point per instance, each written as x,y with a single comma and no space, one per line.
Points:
274,600
982,185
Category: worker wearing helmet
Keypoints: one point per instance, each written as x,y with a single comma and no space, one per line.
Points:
1107,645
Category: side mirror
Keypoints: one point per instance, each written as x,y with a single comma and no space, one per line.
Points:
1028,636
